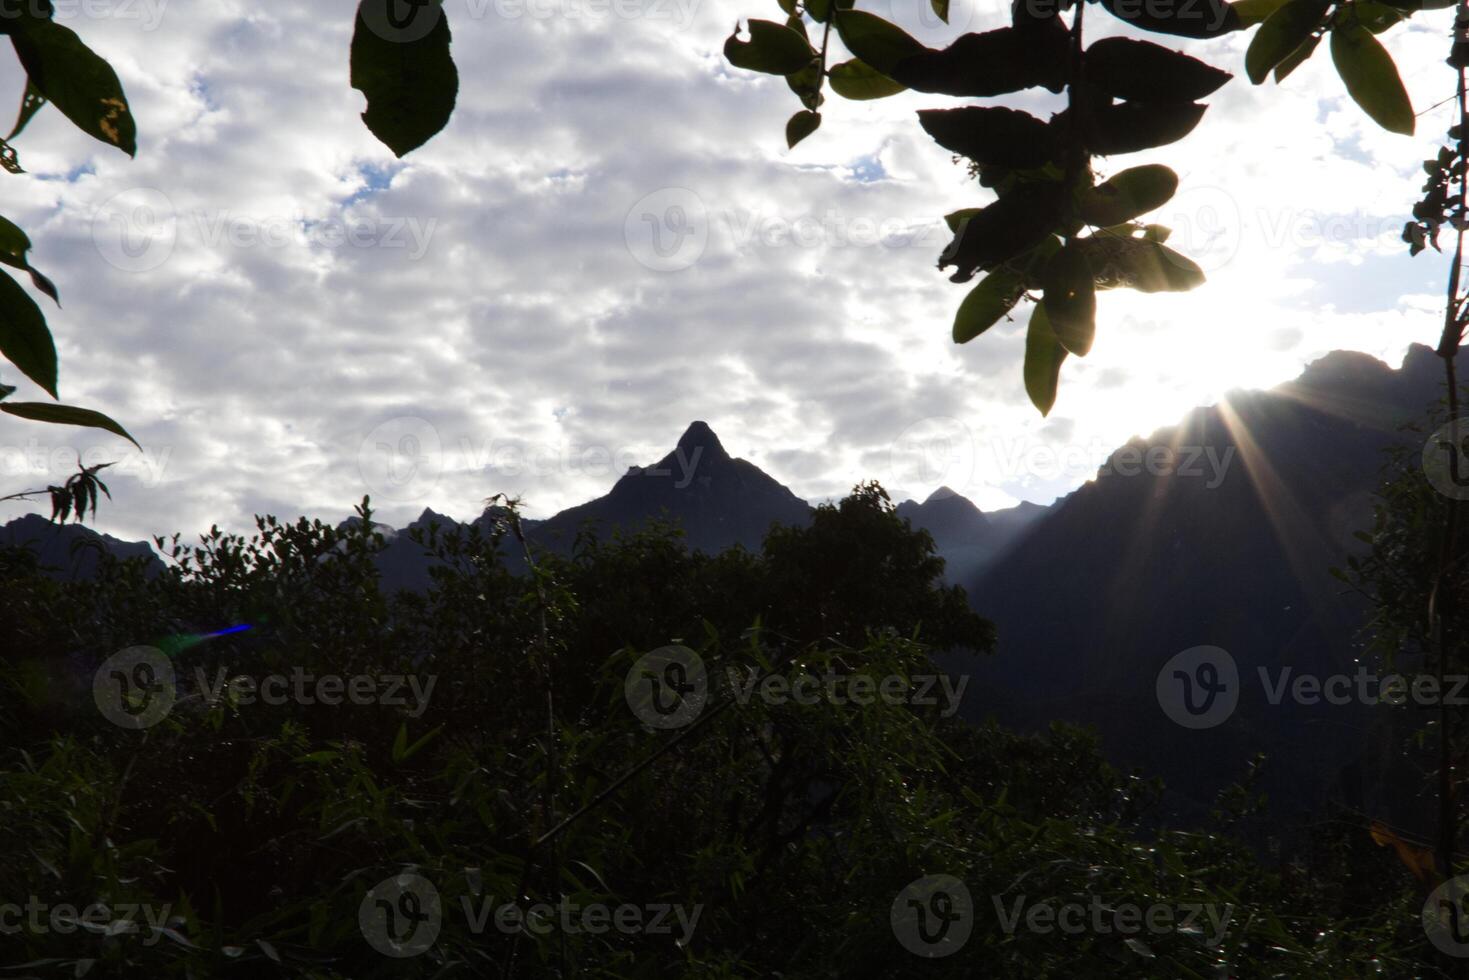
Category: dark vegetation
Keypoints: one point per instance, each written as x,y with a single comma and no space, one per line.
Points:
791,828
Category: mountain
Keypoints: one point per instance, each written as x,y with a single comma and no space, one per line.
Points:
719,501
1227,541
967,538
69,551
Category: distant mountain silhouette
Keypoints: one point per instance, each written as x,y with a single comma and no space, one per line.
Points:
1219,531
70,551
1130,570
967,538
719,501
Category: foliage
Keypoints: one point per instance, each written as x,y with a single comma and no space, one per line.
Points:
1055,227
791,826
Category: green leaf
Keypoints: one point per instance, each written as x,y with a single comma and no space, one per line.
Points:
24,337
1371,77
806,83
1376,16
1043,357
402,751
1071,299
1282,33
1252,12
75,79
1128,127
1016,223
859,81
800,126
875,41
14,244
991,298
30,104
1131,193
1139,263
65,415
772,48
955,219
1296,58
405,71
991,63
1140,70
941,9
991,135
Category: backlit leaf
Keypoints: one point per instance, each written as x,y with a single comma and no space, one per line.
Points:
405,70
75,79
1043,357
1371,77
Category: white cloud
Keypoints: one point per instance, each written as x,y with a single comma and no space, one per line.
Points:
317,289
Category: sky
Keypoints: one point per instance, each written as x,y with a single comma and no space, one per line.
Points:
610,240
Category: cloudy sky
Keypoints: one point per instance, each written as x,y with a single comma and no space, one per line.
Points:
611,240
